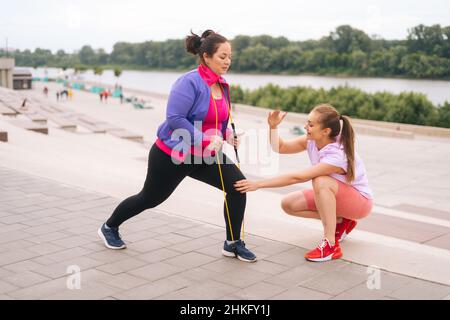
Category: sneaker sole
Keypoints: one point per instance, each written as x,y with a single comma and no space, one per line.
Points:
232,255
100,234
324,259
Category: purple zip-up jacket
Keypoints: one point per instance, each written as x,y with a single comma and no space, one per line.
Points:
188,102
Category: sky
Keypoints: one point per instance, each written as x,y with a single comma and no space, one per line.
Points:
70,24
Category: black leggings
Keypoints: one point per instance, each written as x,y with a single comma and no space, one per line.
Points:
163,176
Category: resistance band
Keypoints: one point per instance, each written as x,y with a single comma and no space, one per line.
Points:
218,159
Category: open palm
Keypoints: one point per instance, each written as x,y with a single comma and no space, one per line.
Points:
275,117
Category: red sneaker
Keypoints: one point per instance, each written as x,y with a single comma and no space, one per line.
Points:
324,252
344,228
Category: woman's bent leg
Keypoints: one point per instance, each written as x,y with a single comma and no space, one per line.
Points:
163,176
296,204
325,190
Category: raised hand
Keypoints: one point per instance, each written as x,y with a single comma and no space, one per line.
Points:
275,117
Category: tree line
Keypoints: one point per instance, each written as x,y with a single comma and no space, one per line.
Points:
407,107
425,53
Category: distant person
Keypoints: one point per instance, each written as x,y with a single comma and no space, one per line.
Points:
201,95
340,193
101,96
57,95
121,97
64,93
24,106
45,91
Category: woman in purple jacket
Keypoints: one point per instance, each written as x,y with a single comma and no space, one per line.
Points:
188,144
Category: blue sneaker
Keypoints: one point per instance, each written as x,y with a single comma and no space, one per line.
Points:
238,250
111,237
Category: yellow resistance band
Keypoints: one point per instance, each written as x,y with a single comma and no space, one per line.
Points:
220,169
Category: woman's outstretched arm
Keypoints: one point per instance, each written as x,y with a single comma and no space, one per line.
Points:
320,169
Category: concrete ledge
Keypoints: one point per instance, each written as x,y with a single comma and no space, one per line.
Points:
360,126
31,126
6,111
370,130
402,127
124,134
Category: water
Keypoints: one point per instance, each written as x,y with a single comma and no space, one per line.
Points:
160,82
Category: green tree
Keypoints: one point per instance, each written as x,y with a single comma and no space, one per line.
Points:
347,39
98,71
425,39
87,55
117,73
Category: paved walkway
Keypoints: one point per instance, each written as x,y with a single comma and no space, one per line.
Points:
48,234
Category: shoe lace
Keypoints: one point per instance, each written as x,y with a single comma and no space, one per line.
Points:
116,233
323,244
241,245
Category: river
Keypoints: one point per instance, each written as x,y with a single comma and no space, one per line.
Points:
160,82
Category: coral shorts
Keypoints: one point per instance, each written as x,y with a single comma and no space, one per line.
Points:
350,203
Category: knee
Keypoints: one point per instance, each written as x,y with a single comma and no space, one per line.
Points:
286,205
236,194
321,183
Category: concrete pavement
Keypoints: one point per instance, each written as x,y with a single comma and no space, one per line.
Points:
406,237
48,239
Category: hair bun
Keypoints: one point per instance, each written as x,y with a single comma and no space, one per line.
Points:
193,43
207,33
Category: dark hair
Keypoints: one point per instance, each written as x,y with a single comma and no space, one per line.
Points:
207,43
330,118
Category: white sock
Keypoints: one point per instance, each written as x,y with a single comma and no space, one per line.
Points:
230,242
106,226
331,243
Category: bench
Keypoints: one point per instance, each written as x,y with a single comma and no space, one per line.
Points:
124,134
82,121
29,112
29,125
104,127
6,111
63,123
38,111
3,136
56,117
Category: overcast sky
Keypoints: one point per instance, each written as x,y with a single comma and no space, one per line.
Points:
70,24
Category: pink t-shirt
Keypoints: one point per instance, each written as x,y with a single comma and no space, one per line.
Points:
209,124
334,154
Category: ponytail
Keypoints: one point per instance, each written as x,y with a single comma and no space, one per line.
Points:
330,118
348,141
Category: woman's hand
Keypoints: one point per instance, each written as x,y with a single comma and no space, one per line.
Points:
275,117
244,186
215,143
235,142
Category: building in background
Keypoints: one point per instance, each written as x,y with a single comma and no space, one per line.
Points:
22,79
6,72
